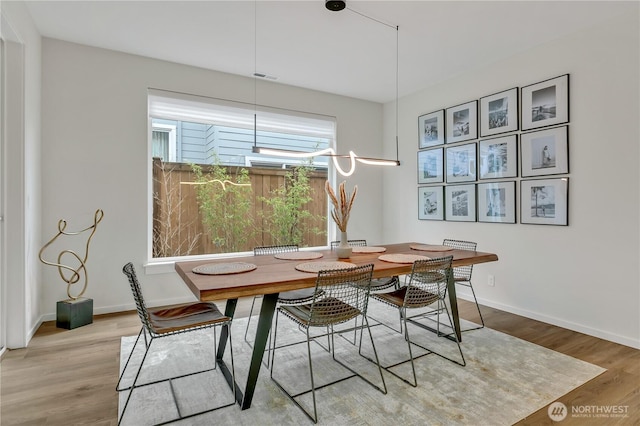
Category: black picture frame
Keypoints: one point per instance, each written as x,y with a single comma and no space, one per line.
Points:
498,157
461,163
544,201
460,203
545,152
461,122
431,166
431,129
545,103
497,202
499,113
431,202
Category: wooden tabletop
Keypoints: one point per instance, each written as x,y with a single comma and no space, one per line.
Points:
275,275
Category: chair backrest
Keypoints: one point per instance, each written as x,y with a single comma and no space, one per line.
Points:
341,295
352,243
261,251
461,272
141,307
428,281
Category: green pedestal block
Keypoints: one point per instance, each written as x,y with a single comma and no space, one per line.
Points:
72,313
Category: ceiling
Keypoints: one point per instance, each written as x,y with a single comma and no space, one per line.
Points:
301,43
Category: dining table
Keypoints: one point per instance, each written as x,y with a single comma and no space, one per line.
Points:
234,277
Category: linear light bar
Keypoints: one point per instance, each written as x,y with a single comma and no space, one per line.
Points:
329,152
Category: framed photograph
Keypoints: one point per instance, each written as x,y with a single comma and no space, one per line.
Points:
545,103
544,201
497,202
498,157
431,202
461,163
462,122
431,166
545,152
431,129
460,202
499,113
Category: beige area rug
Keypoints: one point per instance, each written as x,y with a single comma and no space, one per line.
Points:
505,379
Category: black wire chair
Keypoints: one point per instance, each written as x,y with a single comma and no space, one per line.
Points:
168,321
263,251
426,286
462,274
377,284
339,296
293,297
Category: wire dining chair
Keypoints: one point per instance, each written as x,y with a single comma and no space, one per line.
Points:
168,321
462,274
293,297
425,287
339,296
377,284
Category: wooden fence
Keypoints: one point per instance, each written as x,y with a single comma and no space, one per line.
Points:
177,222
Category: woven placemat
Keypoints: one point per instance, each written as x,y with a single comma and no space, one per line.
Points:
368,249
430,247
224,268
298,255
316,267
401,258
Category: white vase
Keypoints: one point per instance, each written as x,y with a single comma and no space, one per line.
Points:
343,250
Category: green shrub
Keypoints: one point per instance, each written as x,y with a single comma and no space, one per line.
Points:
226,209
287,220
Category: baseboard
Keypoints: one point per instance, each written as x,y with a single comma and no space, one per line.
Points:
601,334
623,340
120,308
35,328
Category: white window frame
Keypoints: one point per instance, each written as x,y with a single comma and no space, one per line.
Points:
172,130
268,120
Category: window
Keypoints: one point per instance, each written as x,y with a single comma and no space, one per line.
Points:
212,194
163,141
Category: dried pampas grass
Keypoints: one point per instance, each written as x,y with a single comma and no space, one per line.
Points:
342,206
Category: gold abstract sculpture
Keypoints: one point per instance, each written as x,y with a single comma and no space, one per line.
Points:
75,273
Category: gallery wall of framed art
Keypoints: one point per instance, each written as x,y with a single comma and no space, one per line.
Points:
483,160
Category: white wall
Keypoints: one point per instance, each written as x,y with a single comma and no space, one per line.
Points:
94,127
21,169
585,276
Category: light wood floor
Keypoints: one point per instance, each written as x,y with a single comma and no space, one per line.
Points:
68,377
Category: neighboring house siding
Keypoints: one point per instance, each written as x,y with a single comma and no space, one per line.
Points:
201,143
210,145
234,145
193,137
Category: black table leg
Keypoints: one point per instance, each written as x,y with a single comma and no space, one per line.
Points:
229,310
453,301
262,335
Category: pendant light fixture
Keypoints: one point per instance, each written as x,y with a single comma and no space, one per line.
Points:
335,5
329,152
